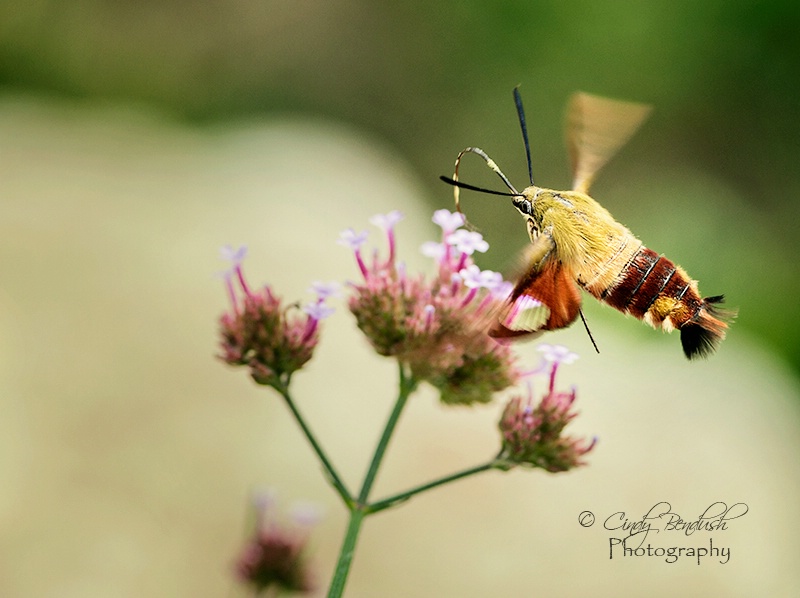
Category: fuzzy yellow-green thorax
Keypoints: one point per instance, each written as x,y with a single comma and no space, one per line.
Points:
588,241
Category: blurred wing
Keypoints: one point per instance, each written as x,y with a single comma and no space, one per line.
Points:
596,129
545,297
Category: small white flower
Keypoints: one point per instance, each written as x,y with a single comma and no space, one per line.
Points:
234,256
350,238
467,241
433,249
475,278
387,221
318,310
324,290
448,221
557,353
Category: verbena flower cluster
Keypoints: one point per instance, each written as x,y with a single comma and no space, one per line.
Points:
532,433
438,325
273,341
273,559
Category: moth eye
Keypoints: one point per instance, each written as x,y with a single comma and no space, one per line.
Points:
523,205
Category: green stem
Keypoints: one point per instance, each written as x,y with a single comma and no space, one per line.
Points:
359,509
333,476
407,385
346,553
403,496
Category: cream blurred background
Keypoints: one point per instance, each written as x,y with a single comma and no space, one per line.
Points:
137,138
128,452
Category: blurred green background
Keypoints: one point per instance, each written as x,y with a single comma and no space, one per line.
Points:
136,137
712,179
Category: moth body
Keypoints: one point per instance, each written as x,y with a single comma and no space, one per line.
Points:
576,244
601,256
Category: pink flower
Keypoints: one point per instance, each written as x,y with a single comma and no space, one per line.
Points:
273,559
433,324
467,241
273,341
532,434
350,238
448,221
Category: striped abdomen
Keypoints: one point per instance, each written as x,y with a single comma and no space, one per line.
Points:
652,288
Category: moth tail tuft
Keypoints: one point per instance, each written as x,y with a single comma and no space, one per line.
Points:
702,336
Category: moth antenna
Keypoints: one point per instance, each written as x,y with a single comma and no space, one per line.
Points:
489,162
589,332
524,127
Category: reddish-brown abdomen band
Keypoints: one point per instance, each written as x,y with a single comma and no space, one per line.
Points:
646,276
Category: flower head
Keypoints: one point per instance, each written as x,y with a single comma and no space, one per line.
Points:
532,434
437,326
271,339
274,557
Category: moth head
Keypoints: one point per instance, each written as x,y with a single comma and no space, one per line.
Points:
524,203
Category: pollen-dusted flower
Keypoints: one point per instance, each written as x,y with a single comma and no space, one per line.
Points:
438,326
273,559
271,339
532,434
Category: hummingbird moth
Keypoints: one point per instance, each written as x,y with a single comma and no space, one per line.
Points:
576,243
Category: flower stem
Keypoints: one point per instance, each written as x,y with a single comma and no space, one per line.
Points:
332,475
404,496
359,509
407,385
346,553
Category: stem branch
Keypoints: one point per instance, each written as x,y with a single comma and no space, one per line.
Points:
403,496
359,508
332,475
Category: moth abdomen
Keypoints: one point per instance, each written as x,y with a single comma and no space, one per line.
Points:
653,289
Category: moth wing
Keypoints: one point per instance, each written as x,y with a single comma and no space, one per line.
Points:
597,128
545,296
